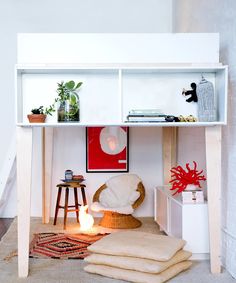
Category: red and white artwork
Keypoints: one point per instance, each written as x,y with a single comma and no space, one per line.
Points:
107,149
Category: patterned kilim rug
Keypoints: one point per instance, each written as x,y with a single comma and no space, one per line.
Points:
62,246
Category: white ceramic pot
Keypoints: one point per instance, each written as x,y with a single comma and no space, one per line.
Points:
192,187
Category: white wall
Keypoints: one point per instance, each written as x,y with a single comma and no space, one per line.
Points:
74,16
218,16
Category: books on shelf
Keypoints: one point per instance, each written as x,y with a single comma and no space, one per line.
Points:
146,115
138,112
145,119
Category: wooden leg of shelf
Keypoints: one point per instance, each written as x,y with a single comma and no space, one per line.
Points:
213,165
24,166
169,151
47,172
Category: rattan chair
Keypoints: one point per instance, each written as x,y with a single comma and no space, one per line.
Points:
117,220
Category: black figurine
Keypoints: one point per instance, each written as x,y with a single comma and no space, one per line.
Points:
192,92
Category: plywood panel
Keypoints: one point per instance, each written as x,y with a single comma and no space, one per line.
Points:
47,172
169,146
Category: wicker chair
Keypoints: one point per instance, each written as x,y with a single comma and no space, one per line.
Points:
117,220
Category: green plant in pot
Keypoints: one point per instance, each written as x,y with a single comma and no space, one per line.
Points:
39,115
68,99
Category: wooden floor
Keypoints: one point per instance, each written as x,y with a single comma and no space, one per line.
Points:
4,225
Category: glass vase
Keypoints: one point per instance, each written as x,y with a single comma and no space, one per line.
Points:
69,110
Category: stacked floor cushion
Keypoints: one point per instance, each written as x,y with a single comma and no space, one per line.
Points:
138,257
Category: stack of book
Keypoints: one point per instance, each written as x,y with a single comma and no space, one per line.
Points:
146,115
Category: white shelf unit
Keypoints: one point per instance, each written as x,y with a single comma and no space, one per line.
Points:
110,91
185,221
177,54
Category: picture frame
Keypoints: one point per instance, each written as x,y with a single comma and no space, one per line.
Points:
107,149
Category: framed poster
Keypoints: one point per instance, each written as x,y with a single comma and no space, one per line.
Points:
107,149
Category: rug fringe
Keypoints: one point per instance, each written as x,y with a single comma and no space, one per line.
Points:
11,255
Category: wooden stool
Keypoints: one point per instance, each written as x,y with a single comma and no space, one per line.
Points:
66,207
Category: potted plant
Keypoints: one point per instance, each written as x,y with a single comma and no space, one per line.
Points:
68,110
38,115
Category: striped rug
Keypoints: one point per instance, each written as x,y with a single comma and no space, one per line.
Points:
62,246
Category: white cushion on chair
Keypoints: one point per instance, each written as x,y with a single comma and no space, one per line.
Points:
120,191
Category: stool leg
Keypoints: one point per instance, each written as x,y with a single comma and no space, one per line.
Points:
66,207
83,196
76,204
57,205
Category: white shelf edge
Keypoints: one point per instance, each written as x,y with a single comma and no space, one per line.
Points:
116,66
152,124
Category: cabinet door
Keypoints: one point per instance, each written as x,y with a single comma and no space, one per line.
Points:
175,218
195,218
161,209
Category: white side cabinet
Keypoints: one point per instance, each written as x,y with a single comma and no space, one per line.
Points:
186,221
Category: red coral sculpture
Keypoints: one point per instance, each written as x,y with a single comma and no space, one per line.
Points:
180,178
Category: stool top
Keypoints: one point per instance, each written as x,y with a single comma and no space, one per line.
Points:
71,185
